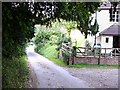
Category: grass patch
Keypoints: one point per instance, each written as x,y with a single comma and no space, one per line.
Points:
49,52
93,66
15,72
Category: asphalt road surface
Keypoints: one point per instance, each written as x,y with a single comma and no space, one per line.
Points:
50,75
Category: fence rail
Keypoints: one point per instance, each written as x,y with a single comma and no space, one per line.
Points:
104,52
66,47
84,51
74,52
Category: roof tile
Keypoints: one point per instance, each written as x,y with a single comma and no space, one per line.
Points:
112,30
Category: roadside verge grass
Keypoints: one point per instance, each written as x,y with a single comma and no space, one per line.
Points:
93,66
14,72
50,53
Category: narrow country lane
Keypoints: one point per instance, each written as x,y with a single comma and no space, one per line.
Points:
50,75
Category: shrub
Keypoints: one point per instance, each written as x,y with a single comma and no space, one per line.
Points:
62,39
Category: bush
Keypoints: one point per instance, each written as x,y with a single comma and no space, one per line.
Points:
44,36
62,39
65,56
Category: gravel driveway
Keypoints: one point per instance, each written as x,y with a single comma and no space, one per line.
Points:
97,78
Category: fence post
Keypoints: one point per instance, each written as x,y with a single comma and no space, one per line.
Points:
68,61
105,52
94,52
73,54
115,52
99,57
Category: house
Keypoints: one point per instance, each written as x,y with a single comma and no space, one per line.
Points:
107,25
109,38
109,28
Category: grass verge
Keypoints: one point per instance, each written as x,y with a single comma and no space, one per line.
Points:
15,72
94,66
50,53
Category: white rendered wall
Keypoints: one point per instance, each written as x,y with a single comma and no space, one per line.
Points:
103,20
106,45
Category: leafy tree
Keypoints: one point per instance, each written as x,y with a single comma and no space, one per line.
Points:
19,19
44,34
18,23
79,12
87,28
69,25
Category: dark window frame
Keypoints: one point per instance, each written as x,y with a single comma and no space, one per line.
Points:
107,40
115,16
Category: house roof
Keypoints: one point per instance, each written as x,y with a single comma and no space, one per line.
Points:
112,30
107,6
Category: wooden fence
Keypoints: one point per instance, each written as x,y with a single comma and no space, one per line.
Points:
103,52
86,52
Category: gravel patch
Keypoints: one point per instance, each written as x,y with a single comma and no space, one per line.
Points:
96,78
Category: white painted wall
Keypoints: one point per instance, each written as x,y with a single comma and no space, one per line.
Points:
103,20
106,45
98,40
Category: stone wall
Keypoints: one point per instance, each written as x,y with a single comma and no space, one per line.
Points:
94,60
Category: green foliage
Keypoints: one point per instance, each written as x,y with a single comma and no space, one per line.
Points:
65,56
88,47
26,15
68,25
93,66
49,52
79,12
14,72
62,39
16,29
74,48
87,28
87,44
94,28
44,36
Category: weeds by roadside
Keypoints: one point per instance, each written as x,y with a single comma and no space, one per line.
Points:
14,72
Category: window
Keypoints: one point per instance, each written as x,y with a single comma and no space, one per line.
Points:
107,40
115,16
